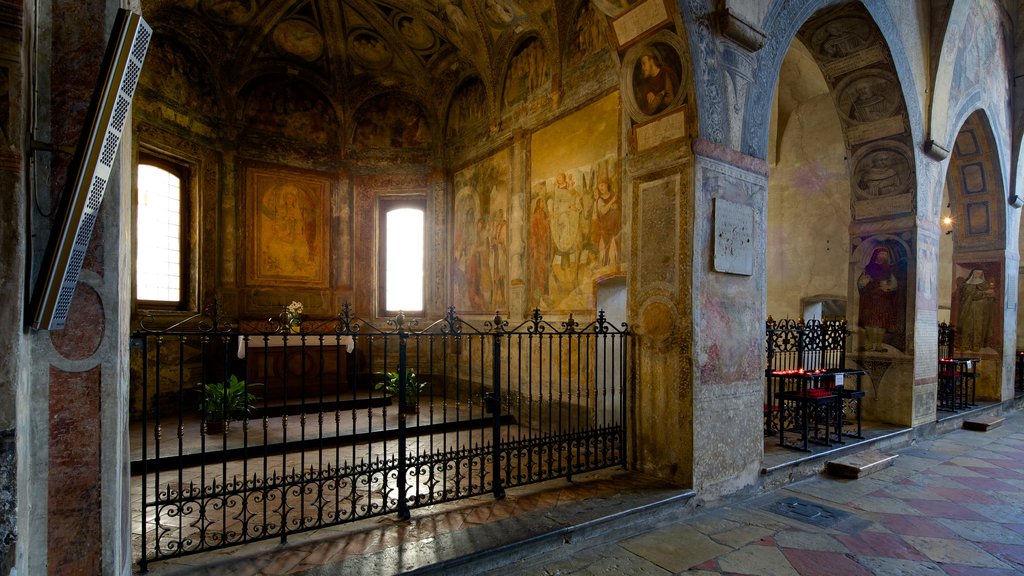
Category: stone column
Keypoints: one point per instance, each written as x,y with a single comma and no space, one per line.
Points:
72,414
729,292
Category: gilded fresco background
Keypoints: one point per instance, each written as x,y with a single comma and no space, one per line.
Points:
480,247
575,209
287,218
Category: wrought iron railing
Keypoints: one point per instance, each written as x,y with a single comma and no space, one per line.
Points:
323,443
800,345
810,345
947,335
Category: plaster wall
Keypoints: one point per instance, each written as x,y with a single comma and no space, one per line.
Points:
809,184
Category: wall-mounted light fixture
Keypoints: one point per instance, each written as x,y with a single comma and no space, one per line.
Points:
947,220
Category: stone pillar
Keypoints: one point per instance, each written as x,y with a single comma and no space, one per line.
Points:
72,413
12,271
729,292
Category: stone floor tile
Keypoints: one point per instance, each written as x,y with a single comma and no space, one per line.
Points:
884,505
675,548
284,562
998,473
893,566
809,541
742,535
905,491
946,551
946,469
964,495
1012,554
976,531
958,570
757,517
937,481
987,484
876,544
838,491
822,563
713,524
622,562
972,460
915,526
761,560
944,509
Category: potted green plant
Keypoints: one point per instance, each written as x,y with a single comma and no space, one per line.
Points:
222,402
390,384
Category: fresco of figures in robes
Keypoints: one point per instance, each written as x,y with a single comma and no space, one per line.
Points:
575,208
977,291
480,269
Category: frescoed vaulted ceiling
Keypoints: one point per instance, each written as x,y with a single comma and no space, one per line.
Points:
292,66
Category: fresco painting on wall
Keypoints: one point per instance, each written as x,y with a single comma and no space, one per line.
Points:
288,228
575,210
976,291
527,71
882,286
589,36
480,264
391,121
291,108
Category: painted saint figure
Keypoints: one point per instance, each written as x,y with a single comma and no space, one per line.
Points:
541,247
879,299
607,223
977,301
657,86
881,178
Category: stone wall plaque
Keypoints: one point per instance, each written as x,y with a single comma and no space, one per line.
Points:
661,130
855,61
876,130
885,206
734,237
641,18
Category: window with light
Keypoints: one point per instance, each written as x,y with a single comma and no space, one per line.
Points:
158,258
403,255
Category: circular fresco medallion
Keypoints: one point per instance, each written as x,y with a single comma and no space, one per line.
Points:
368,48
869,96
299,38
841,37
882,169
233,12
417,35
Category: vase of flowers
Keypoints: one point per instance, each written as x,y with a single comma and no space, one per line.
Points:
293,317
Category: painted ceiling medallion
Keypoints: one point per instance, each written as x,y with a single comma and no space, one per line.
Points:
300,39
368,48
233,12
417,35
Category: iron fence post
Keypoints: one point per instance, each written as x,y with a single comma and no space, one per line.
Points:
403,382
498,487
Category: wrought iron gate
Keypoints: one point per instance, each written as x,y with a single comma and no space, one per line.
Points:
325,443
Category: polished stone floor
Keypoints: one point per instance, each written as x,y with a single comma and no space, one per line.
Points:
953,505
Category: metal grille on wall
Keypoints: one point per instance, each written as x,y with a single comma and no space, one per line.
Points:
361,420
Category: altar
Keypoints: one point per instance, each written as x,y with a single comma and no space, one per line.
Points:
294,368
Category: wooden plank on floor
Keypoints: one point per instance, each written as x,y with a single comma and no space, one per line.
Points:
859,464
983,423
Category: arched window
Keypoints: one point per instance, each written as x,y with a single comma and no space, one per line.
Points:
402,255
160,239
